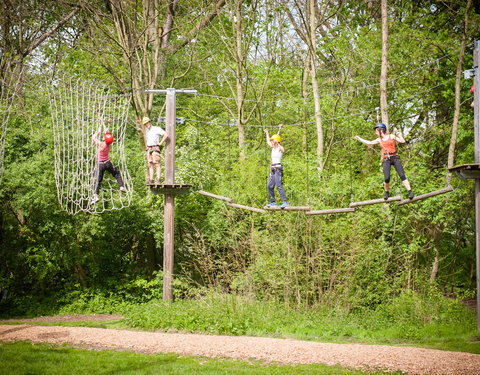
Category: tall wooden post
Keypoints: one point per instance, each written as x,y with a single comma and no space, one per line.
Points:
476,111
473,170
169,188
169,202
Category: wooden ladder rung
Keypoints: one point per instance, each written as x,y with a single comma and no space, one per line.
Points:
427,195
331,211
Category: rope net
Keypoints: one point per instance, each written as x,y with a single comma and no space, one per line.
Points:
78,109
10,74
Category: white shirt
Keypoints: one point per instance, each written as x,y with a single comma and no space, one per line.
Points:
153,135
276,155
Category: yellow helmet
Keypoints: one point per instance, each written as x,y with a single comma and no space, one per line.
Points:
145,120
276,137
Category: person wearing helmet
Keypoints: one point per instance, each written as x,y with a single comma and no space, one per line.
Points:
276,169
389,156
104,163
152,152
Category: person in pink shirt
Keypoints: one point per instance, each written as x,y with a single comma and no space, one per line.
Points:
104,163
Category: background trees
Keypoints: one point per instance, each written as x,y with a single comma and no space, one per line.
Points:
314,66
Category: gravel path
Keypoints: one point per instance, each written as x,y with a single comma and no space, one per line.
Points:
415,361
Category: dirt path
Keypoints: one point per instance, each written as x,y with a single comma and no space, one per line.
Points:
410,360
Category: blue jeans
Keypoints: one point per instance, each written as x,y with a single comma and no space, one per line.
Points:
275,179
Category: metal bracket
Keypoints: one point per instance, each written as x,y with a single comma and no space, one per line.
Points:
178,120
470,73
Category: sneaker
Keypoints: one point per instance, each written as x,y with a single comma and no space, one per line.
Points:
284,204
123,189
272,204
410,194
95,199
386,195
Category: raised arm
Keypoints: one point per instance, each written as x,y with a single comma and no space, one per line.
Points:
103,125
267,137
398,136
95,137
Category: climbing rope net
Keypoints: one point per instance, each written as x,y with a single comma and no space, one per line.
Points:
78,110
10,73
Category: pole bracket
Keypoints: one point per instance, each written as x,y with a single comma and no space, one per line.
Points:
470,73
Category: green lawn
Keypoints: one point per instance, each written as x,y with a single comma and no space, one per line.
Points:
24,358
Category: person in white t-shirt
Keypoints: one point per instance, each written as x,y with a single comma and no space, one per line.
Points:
276,169
153,144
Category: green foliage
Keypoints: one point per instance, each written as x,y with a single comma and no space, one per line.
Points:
348,261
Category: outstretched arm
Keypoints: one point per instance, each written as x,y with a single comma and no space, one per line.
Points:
368,143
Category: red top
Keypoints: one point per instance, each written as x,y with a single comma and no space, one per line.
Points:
388,147
103,153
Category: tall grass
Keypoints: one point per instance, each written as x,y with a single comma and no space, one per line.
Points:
408,319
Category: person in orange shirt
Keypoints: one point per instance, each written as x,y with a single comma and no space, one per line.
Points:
389,156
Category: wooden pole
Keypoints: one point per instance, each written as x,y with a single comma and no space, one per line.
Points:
207,194
288,208
169,202
331,211
248,208
427,195
375,201
476,114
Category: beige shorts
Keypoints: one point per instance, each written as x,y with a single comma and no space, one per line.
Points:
153,154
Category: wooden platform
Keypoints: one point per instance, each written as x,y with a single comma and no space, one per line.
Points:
376,201
467,170
172,189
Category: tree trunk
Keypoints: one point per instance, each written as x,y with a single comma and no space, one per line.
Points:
458,77
239,60
436,261
315,87
146,46
384,68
